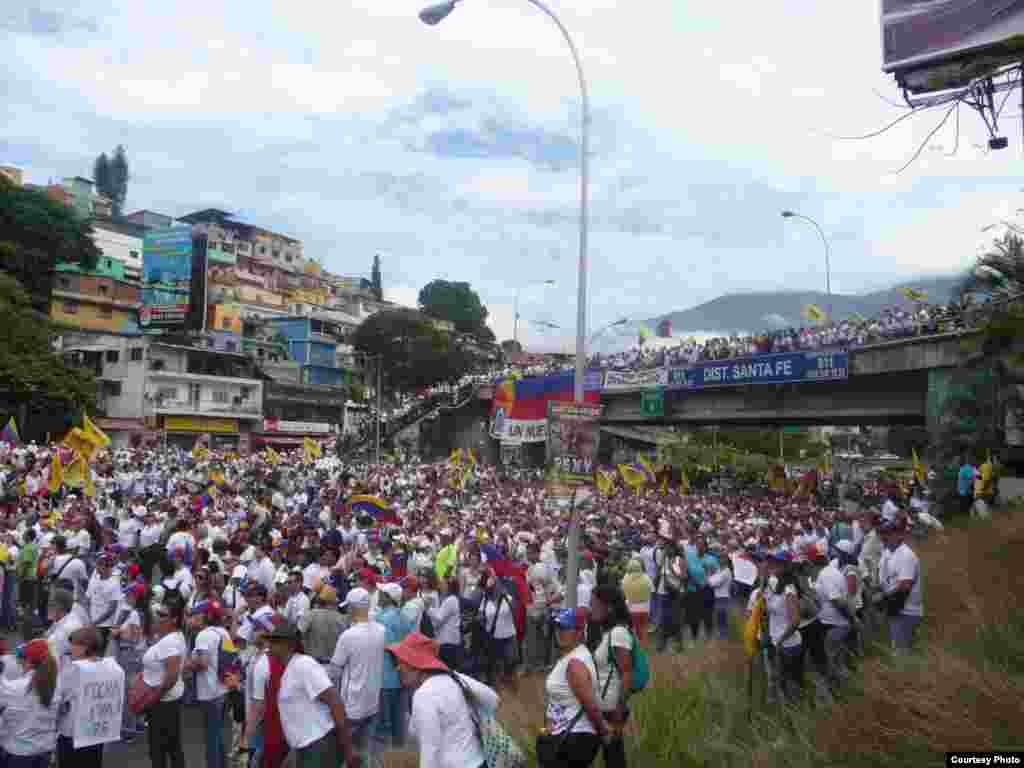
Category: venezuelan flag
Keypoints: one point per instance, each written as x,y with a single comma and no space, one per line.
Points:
376,507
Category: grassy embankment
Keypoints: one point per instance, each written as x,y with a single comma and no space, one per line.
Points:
962,689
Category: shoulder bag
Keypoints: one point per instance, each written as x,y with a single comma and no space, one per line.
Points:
500,750
549,745
141,696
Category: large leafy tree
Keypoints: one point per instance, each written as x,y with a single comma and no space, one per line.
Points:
36,234
110,175
414,353
458,303
30,372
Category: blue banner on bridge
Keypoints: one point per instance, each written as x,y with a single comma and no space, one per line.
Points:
781,368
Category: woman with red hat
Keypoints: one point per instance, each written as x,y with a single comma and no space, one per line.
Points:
28,709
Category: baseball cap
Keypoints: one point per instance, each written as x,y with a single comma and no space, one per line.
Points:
357,598
239,572
567,618
212,609
392,590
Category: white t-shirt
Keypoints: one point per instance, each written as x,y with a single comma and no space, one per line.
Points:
58,636
257,676
262,572
447,620
562,704
778,616
26,726
619,637
72,568
208,643
296,608
900,565
506,625
150,535
154,663
359,656
103,595
721,582
132,619
246,628
442,724
303,718
831,585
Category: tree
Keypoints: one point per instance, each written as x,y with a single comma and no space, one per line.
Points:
414,353
36,234
375,280
29,371
118,180
101,175
456,302
511,347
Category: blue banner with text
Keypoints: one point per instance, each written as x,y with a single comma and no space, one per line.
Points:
782,368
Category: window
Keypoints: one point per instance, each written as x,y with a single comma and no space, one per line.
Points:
288,258
106,310
167,393
112,388
71,307
133,254
113,355
263,250
65,283
230,346
136,354
220,396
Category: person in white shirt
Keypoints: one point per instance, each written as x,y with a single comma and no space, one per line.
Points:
446,616
499,632
68,566
149,543
262,568
104,596
161,668
234,597
205,663
543,590
296,610
442,720
64,621
315,723
29,706
358,666
836,613
900,580
720,581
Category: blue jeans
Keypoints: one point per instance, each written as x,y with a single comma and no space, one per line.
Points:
362,732
8,603
213,727
722,607
25,761
389,724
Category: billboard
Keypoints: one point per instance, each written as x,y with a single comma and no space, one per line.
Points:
920,33
574,432
519,412
166,278
781,368
624,380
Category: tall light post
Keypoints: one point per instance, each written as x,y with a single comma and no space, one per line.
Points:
434,14
519,290
824,241
614,324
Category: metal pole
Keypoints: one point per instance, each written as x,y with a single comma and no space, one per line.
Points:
828,267
572,566
515,326
380,365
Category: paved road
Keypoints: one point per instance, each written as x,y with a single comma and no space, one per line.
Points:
136,754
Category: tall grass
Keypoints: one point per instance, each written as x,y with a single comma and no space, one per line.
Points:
962,689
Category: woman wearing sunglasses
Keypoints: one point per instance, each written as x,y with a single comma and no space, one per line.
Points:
161,667
28,709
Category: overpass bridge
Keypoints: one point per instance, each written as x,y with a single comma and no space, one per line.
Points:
885,383
882,384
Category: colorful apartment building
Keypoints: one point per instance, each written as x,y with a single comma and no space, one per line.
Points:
102,301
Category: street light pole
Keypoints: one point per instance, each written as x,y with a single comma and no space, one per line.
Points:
380,365
434,15
515,326
824,241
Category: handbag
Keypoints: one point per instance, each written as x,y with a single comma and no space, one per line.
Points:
499,748
141,696
549,746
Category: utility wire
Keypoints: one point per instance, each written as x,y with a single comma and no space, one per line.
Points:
924,143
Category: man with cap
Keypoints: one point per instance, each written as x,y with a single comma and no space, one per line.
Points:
207,617
296,610
358,666
899,574
256,598
149,542
315,723
234,594
836,611
390,728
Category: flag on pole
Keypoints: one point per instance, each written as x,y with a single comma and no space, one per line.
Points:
56,473
815,314
94,433
81,443
271,456
913,294
376,507
470,457
9,434
684,483
455,459
919,469
310,450
445,562
632,476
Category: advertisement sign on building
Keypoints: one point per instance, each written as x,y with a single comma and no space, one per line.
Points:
297,427
782,368
574,432
166,278
200,424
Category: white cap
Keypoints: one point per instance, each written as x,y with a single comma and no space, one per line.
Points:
392,590
239,572
357,598
845,546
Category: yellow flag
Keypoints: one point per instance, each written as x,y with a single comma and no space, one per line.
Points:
684,483
56,473
664,484
456,458
913,294
90,484
310,450
632,476
815,314
217,477
271,456
470,456
75,473
78,441
645,462
605,482
919,469
94,433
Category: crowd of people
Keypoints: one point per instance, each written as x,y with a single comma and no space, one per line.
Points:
335,610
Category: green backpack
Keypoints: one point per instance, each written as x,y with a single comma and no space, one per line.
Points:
641,664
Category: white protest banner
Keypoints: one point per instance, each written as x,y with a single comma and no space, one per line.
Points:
622,380
100,705
745,570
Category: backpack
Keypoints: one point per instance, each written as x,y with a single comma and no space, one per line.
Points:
228,662
640,661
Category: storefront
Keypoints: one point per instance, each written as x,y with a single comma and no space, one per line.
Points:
122,432
183,431
280,433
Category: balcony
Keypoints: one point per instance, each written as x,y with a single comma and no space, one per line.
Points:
186,394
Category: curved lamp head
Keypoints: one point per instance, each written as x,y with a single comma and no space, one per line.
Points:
621,321
435,14
788,214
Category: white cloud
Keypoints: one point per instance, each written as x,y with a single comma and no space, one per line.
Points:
403,295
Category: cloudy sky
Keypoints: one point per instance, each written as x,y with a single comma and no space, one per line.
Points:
451,151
